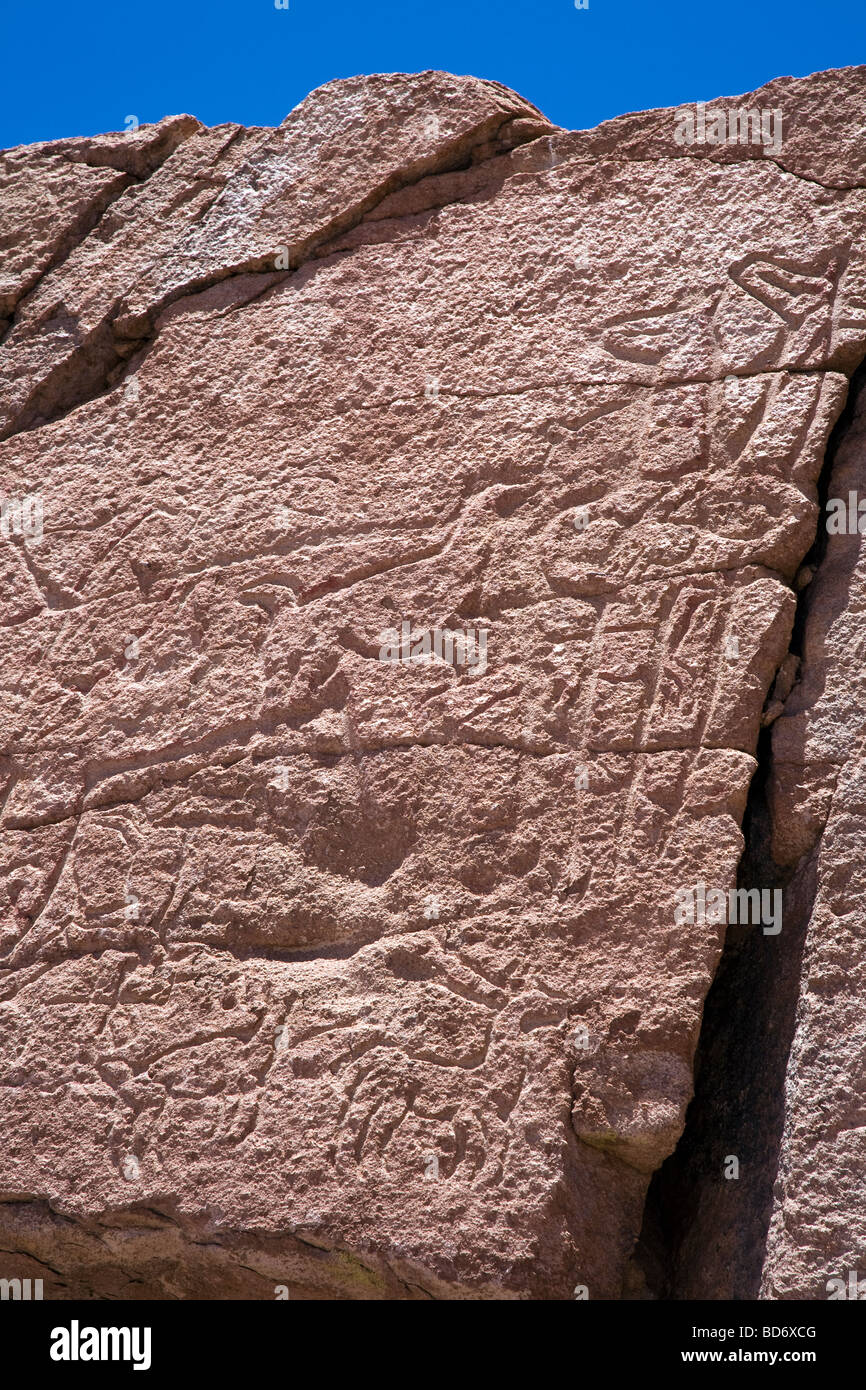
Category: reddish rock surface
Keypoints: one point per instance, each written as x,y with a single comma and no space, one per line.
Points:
364,977
818,1228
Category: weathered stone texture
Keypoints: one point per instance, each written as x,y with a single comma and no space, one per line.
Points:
818,1229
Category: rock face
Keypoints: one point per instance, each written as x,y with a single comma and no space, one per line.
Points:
818,802
405,516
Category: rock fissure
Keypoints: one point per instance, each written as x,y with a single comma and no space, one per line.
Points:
706,1222
112,349
134,165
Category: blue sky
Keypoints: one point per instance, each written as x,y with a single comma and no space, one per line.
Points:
81,67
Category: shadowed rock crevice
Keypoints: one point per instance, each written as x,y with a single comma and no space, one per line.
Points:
704,1234
102,355
135,158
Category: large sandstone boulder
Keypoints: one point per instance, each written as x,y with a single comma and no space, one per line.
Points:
337,953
